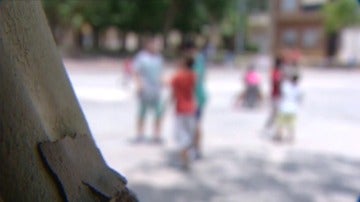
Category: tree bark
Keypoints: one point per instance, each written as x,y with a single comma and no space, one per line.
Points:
37,106
96,38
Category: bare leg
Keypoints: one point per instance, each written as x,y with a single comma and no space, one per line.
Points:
279,134
238,100
157,129
272,117
158,122
140,128
184,154
141,121
291,134
197,141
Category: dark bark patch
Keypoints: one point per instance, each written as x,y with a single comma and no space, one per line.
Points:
78,165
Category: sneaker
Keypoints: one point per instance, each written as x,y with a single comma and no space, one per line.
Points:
194,154
277,139
138,140
198,156
185,168
157,141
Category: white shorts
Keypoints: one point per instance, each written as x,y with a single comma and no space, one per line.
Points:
184,131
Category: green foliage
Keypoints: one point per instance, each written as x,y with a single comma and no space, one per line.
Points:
216,10
341,13
233,18
63,13
137,15
149,16
191,15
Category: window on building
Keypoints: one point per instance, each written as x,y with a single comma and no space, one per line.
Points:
289,5
257,6
311,37
289,37
312,5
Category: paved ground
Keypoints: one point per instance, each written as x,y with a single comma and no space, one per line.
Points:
239,165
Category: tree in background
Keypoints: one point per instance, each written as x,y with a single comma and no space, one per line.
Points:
63,16
338,15
161,16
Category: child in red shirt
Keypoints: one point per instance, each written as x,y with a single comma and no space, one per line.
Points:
183,89
276,80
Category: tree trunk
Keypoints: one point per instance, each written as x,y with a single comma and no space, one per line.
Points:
37,108
96,38
332,44
79,45
122,37
169,21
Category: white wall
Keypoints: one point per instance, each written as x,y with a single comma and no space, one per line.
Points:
349,48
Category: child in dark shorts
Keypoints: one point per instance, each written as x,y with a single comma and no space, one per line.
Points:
183,88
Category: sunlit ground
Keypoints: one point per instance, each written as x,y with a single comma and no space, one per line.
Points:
239,164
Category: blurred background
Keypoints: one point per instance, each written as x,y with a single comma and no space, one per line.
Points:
99,39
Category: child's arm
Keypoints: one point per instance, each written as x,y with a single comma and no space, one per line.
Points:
136,74
166,81
301,97
138,81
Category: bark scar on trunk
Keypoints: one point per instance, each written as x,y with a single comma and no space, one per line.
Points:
81,170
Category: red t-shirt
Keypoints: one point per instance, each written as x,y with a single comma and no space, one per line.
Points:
183,86
276,78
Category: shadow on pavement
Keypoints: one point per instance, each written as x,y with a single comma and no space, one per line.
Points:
228,176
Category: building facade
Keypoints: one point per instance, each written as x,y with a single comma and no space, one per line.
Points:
299,24
259,31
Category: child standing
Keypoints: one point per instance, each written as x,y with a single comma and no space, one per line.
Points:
148,68
199,69
183,89
289,104
276,79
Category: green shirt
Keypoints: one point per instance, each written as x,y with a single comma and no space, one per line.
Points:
200,70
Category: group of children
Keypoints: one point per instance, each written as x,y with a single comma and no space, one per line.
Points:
285,96
188,96
285,99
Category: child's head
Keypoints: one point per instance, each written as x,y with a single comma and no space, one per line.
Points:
278,62
187,62
189,48
294,79
150,44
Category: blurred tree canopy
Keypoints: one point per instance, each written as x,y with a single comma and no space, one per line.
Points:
149,16
136,15
341,13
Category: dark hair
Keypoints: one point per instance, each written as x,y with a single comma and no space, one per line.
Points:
187,45
295,78
278,62
147,39
189,62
